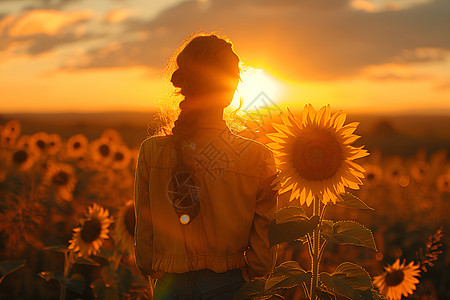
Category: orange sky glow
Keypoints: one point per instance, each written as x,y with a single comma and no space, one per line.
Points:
361,56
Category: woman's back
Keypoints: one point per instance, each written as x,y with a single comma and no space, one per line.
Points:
234,177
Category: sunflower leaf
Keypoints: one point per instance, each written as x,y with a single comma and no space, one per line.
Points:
57,248
291,213
76,283
356,276
327,227
291,230
352,201
338,285
9,266
286,275
252,290
370,294
86,261
322,294
350,232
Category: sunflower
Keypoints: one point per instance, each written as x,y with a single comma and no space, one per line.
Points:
124,230
24,141
54,143
398,280
315,156
420,170
102,150
121,157
21,215
9,133
112,136
94,227
61,178
77,146
443,182
22,159
373,174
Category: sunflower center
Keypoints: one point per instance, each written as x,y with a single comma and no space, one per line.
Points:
317,155
394,278
118,156
130,220
104,150
91,230
19,157
76,145
61,178
41,144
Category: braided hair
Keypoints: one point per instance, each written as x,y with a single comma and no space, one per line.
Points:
206,65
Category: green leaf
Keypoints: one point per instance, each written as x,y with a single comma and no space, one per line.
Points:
291,213
351,201
291,230
350,232
286,275
57,248
9,266
371,294
339,286
327,227
76,283
252,290
86,261
322,294
354,275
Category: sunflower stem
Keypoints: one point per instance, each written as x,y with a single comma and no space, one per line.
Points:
315,248
68,262
305,290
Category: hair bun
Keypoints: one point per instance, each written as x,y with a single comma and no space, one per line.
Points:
177,78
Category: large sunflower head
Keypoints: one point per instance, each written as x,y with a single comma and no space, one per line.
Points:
124,228
315,155
398,280
93,230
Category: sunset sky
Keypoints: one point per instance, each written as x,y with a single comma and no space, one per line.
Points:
376,56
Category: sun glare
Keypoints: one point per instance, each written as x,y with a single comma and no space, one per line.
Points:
254,89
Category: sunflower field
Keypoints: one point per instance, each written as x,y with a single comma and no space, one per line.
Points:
67,219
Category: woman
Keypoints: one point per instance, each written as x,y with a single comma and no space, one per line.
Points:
203,198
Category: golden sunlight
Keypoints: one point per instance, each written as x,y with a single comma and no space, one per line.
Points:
253,83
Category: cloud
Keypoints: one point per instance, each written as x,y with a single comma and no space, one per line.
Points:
45,4
302,40
395,72
38,31
443,86
42,21
117,15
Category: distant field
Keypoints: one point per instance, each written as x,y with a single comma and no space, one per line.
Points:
402,135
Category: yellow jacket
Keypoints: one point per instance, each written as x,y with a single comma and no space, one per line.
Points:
236,206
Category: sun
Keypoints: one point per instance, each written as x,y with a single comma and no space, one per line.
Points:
253,83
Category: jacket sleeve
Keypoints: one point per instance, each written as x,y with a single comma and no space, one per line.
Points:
143,235
260,257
